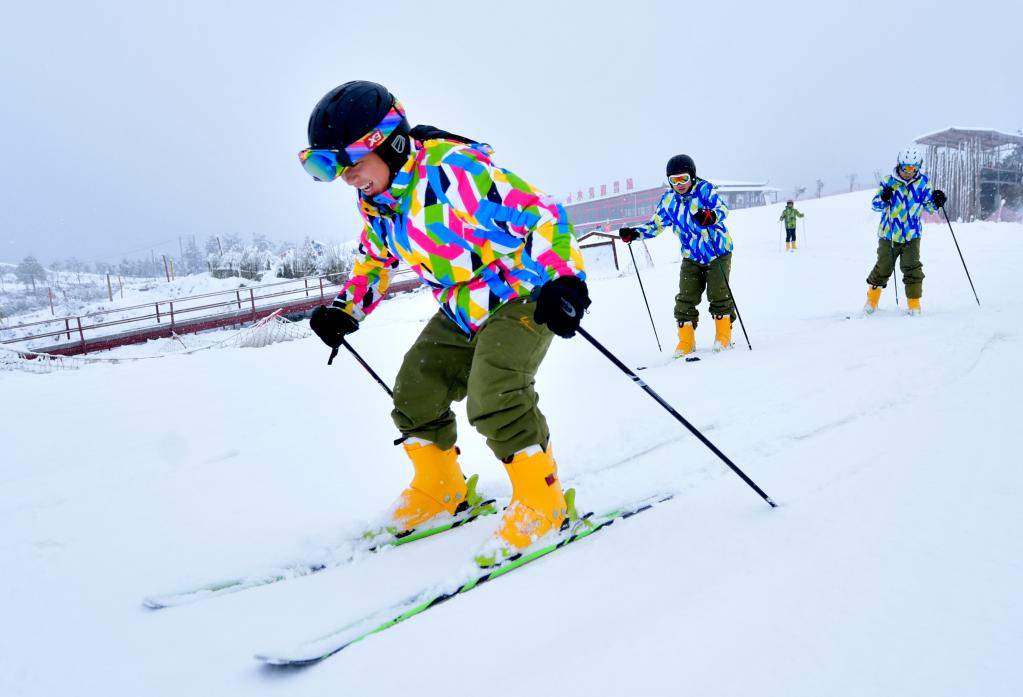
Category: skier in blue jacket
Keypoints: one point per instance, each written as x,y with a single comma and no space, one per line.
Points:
901,198
692,209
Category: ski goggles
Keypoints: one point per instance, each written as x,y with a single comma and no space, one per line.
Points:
683,178
910,169
327,164
323,165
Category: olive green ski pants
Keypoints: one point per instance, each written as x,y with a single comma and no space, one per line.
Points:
495,369
908,254
693,279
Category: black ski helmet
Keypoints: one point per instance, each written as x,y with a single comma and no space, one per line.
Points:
361,111
680,164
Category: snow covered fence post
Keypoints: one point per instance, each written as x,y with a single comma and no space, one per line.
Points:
643,291
960,255
678,417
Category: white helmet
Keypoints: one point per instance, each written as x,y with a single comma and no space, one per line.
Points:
913,155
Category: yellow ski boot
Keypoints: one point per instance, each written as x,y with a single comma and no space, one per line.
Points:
537,507
873,297
438,486
686,340
722,333
913,306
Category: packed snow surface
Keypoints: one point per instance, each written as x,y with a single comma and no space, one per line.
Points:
892,566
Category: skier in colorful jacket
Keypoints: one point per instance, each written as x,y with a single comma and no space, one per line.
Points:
502,260
901,199
789,215
695,212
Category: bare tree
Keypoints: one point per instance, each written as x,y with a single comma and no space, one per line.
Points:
29,270
820,187
852,182
797,192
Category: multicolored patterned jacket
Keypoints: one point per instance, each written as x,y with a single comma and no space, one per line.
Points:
676,211
477,234
900,219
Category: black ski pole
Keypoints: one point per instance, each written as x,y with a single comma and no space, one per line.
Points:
364,364
735,305
960,255
643,291
678,417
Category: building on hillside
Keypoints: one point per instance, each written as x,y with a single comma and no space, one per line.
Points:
980,170
610,212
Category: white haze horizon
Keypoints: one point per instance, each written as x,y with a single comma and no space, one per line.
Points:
127,126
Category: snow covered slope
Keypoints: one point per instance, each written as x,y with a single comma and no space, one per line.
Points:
892,566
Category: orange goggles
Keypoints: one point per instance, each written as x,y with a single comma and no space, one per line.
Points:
912,169
683,178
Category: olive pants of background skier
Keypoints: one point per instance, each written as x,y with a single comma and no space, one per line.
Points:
693,279
908,254
495,369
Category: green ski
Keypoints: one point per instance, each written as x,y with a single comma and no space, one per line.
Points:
326,646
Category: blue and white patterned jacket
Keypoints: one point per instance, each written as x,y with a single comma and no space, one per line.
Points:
677,211
900,218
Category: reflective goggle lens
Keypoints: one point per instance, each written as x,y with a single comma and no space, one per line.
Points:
910,168
322,165
683,178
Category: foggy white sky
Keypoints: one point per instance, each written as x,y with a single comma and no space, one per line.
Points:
126,124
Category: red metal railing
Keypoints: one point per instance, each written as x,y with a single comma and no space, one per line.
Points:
138,323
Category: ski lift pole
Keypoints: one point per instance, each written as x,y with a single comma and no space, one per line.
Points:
678,417
643,291
960,255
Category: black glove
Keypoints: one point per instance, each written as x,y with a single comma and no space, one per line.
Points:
887,193
332,324
705,217
561,305
939,198
628,234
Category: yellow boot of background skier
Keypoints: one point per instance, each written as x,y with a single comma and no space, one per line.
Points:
686,340
722,333
873,297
